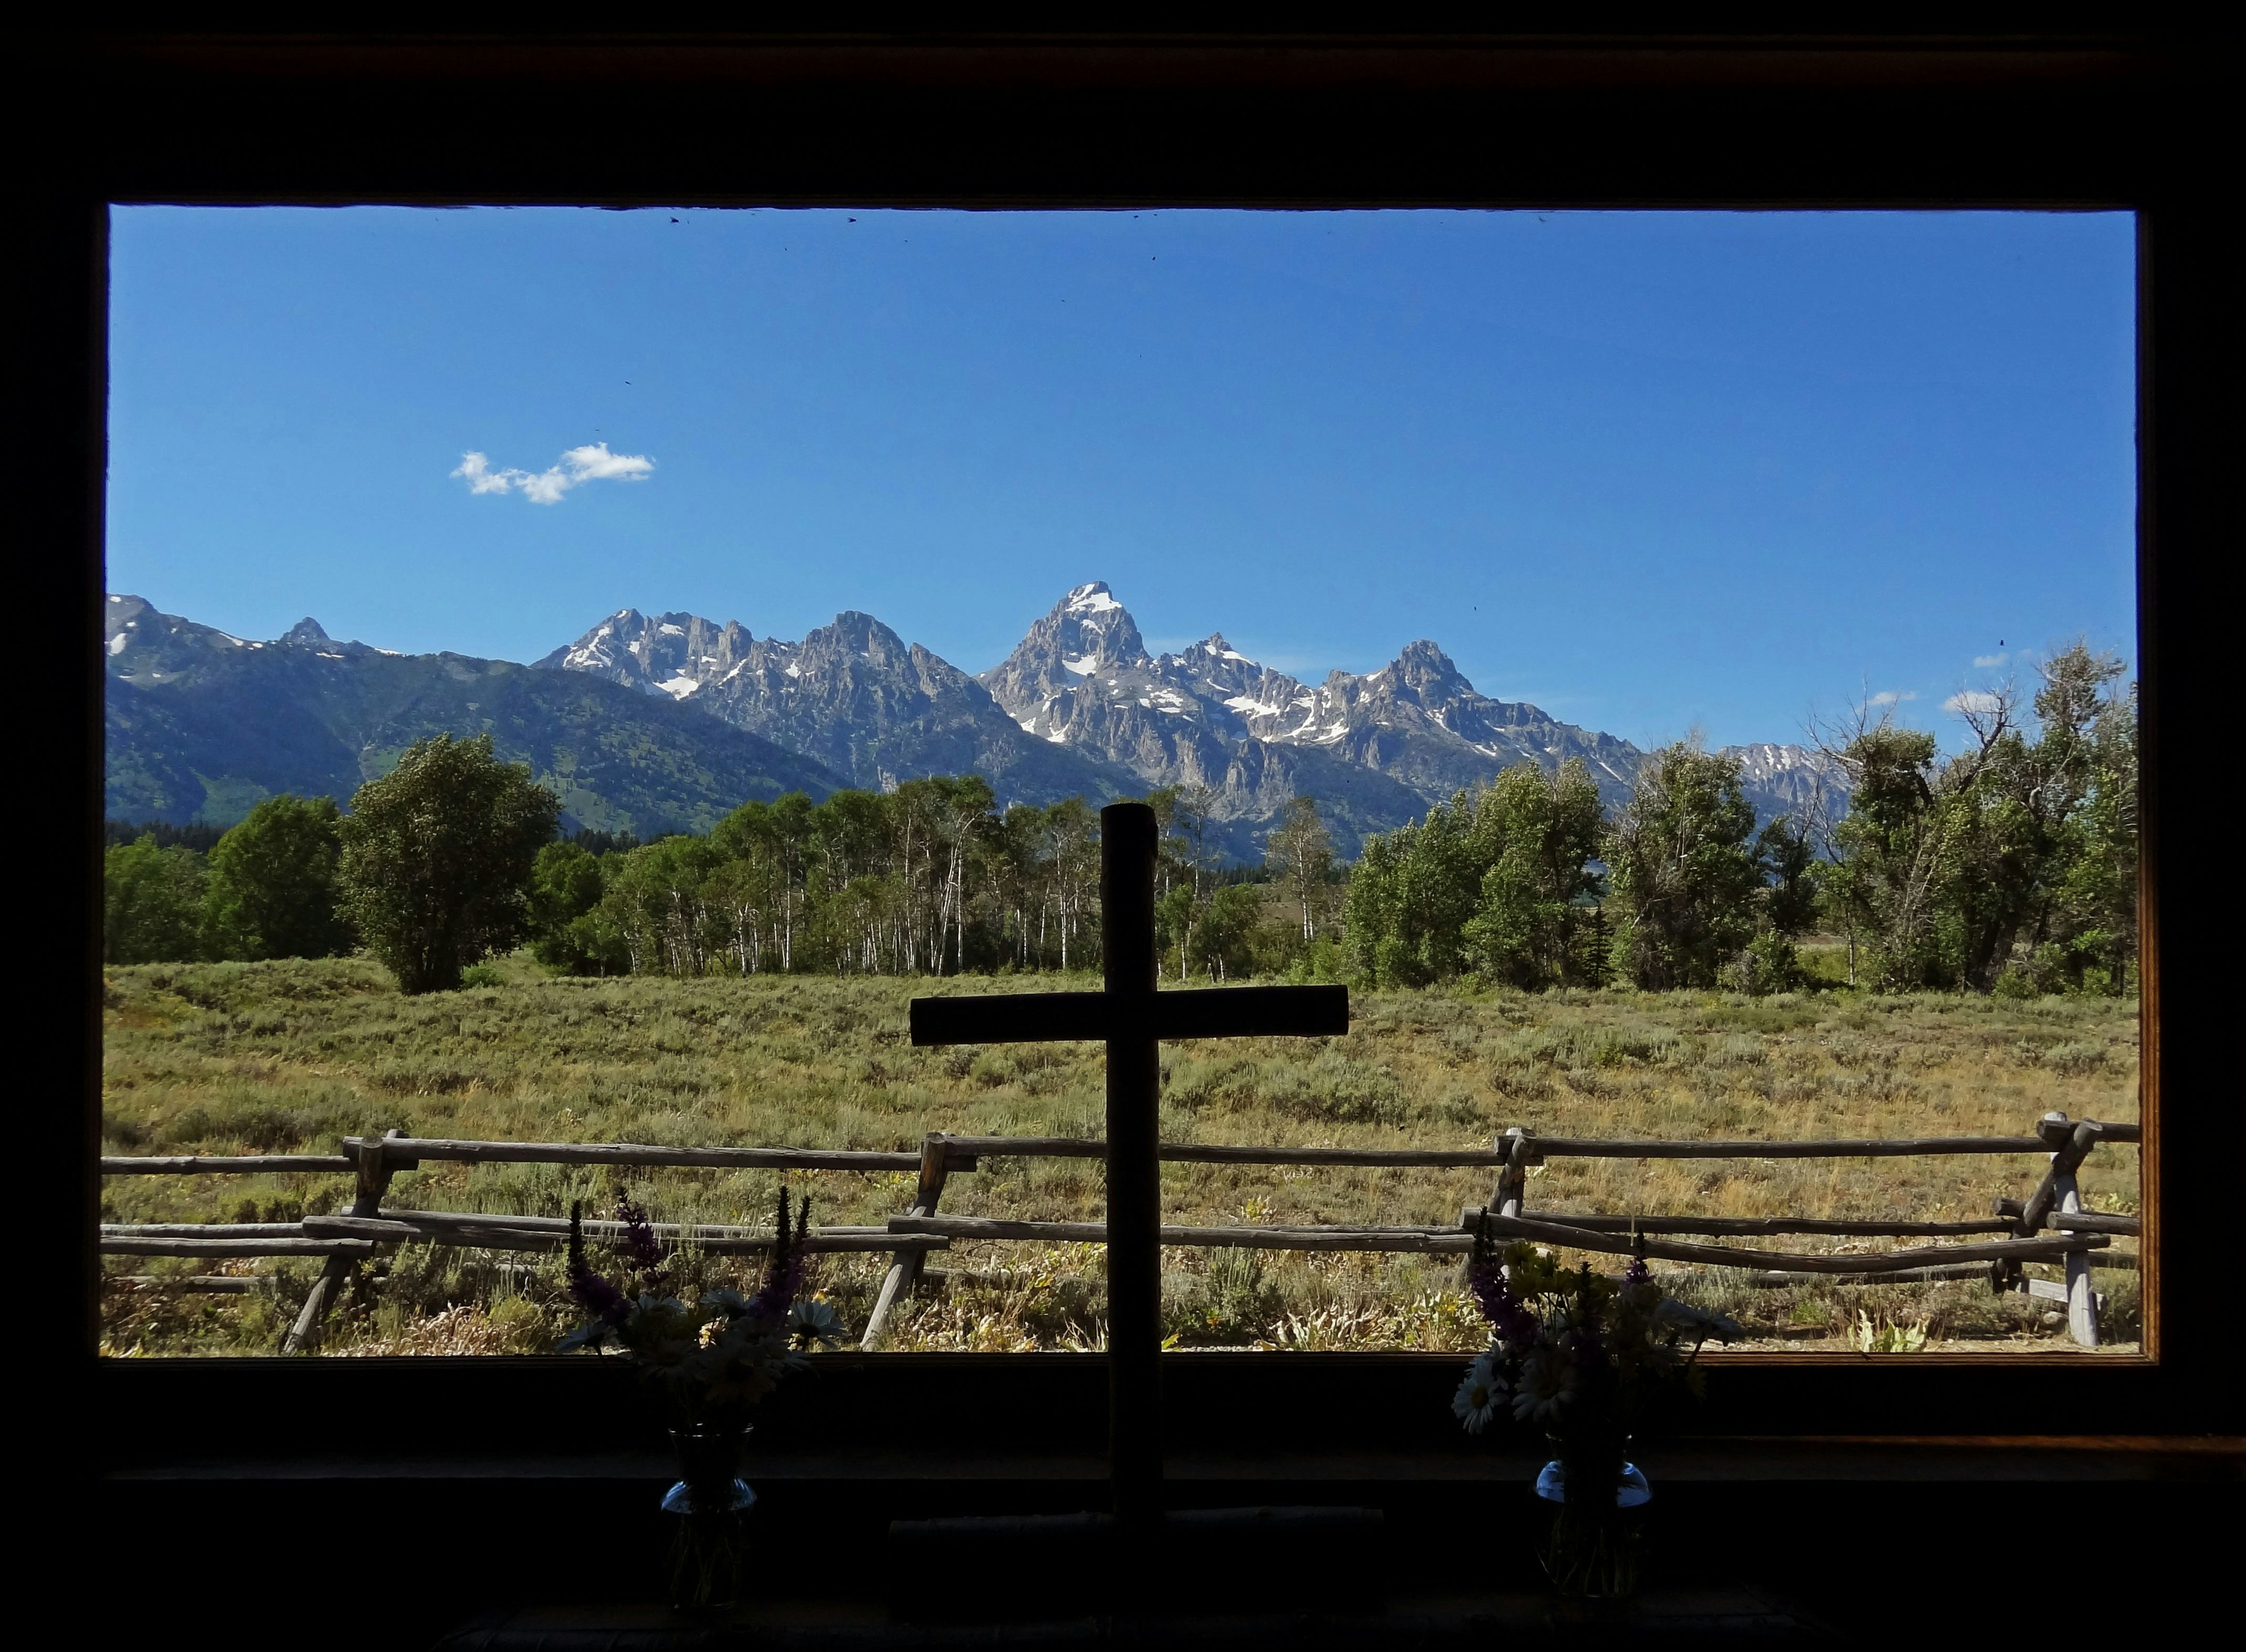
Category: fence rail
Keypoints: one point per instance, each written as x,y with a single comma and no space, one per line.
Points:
2050,1226
245,1165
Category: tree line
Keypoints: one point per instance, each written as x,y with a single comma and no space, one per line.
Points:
454,855
429,871
928,878
2010,866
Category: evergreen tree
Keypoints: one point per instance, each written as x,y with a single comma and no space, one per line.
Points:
436,858
272,889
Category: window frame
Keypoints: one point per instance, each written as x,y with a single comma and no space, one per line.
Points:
2093,121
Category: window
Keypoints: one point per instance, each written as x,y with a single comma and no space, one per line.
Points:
2155,659
1676,475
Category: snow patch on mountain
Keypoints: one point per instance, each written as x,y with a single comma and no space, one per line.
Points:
1081,689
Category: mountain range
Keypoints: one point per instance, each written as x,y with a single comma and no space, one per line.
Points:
662,722
199,726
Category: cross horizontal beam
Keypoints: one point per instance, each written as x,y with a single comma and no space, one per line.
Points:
1059,1017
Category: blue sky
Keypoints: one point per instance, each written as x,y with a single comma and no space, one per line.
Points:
1652,471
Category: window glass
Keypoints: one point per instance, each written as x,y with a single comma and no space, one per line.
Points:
575,676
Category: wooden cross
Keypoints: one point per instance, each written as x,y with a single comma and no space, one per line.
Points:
1133,1018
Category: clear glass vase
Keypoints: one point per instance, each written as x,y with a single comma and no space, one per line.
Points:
1590,1547
709,1541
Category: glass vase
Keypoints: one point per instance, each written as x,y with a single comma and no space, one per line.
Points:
709,1538
1588,1547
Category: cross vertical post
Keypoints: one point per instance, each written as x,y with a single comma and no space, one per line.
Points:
1131,1019
1127,847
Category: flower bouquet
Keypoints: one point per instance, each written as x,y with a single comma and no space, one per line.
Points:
1588,1359
711,1362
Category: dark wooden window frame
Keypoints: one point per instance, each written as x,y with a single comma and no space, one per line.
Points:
2098,119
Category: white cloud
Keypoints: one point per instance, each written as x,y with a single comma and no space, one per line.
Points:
592,463
1893,697
481,477
1990,662
1971,703
596,464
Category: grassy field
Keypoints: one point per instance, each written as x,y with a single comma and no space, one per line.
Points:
222,1059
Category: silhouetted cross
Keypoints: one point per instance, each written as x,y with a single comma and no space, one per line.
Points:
1133,1018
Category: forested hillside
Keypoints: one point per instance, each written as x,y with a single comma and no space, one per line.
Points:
201,726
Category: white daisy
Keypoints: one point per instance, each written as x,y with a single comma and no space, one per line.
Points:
814,1319
1477,1399
1548,1380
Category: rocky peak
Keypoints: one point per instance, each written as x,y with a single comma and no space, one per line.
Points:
1087,641
145,647
672,654
1424,674
1092,631
1213,653
308,633
857,636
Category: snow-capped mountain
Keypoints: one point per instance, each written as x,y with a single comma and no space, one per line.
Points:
1080,707
1210,716
672,654
669,719
853,694
144,647
1791,779
199,726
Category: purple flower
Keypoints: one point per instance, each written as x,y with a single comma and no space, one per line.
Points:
1508,1316
592,1294
639,1233
786,1275
1636,1272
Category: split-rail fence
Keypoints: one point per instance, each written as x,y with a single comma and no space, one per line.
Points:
2050,1225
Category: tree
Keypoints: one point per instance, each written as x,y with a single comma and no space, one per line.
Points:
2016,857
1686,881
151,903
1073,866
436,858
1300,855
566,886
1225,941
1499,882
272,889
661,905
1176,916
1785,856
1787,852
1535,835
1411,896
2087,938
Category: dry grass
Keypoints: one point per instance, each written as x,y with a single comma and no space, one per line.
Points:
236,1058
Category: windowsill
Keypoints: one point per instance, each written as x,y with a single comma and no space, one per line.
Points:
1748,1460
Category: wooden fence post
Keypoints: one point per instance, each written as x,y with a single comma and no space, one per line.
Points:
1511,1192
2071,1145
2081,1298
904,1271
377,1164
1512,1180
